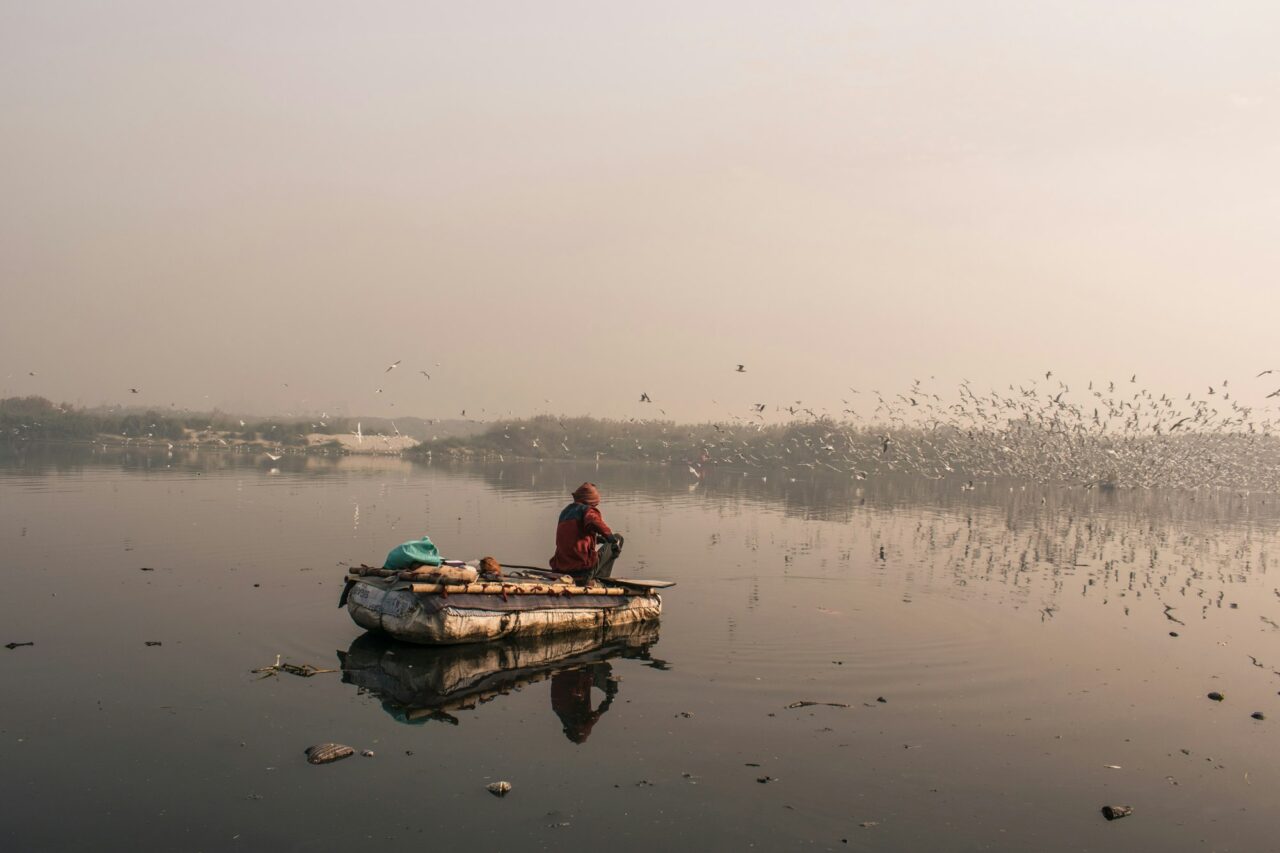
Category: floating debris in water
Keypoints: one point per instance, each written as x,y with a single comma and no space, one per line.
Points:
498,789
867,824
764,780
12,646
1216,696
1258,715
324,753
1116,812
367,753
305,670
153,642
804,703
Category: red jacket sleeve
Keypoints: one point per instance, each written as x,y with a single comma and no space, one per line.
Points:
593,522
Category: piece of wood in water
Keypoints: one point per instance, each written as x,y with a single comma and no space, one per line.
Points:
305,670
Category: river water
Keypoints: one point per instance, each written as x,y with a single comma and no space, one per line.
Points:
1003,662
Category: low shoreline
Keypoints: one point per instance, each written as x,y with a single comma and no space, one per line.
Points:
330,446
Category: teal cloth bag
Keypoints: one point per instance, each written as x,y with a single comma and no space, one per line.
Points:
419,552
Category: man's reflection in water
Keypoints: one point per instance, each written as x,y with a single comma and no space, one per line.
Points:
571,697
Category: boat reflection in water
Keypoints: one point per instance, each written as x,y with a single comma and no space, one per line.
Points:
421,683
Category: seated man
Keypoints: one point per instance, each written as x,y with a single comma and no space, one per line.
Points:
579,526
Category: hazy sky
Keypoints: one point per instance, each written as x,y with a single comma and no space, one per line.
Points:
577,202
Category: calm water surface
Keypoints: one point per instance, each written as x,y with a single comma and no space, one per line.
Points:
1021,641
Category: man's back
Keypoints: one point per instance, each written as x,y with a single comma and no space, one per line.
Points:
576,538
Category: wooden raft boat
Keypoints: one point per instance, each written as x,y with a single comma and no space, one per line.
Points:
455,610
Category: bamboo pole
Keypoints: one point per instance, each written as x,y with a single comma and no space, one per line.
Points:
515,589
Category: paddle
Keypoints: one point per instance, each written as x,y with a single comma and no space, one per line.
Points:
536,569
638,583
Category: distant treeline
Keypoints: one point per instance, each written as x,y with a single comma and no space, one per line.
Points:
549,437
40,418
37,417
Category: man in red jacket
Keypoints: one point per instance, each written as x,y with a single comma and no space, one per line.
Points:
580,523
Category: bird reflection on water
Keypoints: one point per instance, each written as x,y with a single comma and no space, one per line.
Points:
417,684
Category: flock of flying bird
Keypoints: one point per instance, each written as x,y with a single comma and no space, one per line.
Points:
1111,434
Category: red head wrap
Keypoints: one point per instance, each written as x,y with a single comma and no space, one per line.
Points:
587,494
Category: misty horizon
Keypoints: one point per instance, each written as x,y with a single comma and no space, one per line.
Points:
559,209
